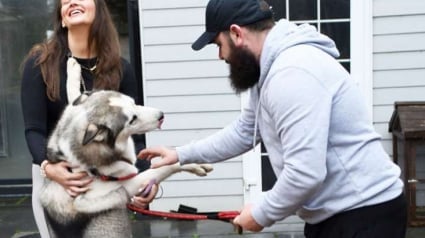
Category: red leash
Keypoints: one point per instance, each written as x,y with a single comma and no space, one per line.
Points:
226,216
223,216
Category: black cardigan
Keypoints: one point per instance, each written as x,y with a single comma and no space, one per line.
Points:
41,115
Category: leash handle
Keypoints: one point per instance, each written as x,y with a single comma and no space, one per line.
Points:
145,191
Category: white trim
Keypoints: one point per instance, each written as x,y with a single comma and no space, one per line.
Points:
142,47
362,48
251,163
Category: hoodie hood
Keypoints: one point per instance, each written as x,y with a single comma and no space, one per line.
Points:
282,36
285,35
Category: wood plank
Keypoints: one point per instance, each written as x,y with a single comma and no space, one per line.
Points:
171,35
383,113
176,137
382,130
167,4
178,52
190,69
225,187
201,120
400,60
397,7
399,24
188,86
399,78
175,17
388,96
399,42
196,103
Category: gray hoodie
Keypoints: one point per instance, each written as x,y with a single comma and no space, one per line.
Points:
313,121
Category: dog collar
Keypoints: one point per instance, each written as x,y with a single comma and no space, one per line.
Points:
111,178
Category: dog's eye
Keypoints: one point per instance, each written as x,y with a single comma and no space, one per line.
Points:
133,119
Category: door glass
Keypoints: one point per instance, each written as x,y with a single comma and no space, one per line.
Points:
340,33
302,10
278,7
334,9
21,25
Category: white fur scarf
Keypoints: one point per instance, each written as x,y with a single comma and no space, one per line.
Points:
73,82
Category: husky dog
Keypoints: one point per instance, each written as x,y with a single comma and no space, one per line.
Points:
94,134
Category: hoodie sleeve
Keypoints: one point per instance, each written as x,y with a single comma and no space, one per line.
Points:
229,142
299,106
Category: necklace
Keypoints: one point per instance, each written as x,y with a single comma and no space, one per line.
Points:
90,69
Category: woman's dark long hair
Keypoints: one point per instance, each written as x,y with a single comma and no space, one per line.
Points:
103,36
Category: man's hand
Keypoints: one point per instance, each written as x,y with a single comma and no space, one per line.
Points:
246,221
74,183
168,156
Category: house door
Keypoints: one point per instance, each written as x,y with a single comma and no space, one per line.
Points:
342,21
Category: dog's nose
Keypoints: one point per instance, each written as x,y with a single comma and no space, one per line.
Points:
161,116
160,120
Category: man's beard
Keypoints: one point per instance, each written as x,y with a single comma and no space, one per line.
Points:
244,68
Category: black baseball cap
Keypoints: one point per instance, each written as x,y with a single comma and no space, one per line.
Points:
220,14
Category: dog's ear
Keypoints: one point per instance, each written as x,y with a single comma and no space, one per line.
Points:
80,99
97,133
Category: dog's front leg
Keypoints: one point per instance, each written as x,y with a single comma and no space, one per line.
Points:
159,174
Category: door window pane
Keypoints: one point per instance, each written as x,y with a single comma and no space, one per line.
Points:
333,9
340,33
302,10
279,8
22,24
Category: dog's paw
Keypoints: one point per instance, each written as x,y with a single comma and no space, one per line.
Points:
198,169
207,167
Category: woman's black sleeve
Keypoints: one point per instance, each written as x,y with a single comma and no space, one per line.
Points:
34,109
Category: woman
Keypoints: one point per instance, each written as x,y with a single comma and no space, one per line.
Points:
83,32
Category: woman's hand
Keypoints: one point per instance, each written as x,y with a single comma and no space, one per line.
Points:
143,202
246,221
168,156
74,183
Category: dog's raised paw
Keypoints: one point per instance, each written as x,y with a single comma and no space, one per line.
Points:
198,169
207,167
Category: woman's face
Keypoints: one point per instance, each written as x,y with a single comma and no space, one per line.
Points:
77,12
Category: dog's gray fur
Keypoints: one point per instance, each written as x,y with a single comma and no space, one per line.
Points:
94,133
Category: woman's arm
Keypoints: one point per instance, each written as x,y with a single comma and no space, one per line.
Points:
34,109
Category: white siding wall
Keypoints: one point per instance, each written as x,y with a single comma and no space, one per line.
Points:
398,58
193,90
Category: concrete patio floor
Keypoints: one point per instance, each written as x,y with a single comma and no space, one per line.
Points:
16,221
